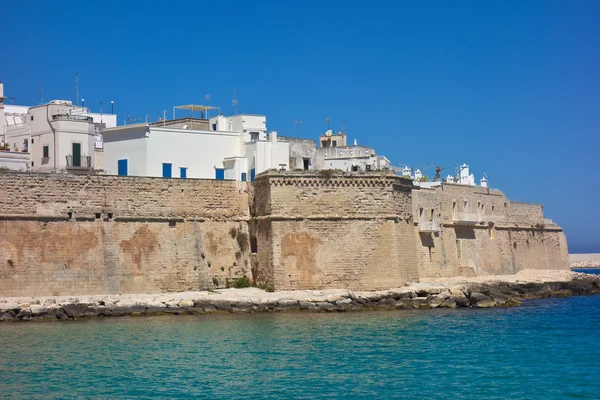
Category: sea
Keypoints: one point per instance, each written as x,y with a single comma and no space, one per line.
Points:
545,349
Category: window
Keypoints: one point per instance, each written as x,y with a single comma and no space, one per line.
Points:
167,170
432,214
306,164
32,163
334,143
31,140
254,136
32,117
420,214
454,209
465,205
214,127
459,249
323,143
183,172
46,152
219,174
122,167
243,177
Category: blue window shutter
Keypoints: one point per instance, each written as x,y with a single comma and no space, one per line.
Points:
167,170
252,174
183,172
122,167
243,177
220,174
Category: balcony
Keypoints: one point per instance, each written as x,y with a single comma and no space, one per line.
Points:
429,226
69,117
83,162
468,218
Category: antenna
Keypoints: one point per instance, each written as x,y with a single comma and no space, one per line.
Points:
41,94
100,111
11,100
486,177
343,126
77,88
164,117
82,103
298,123
234,102
147,117
327,121
112,106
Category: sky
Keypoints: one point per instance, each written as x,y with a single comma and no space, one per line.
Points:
511,88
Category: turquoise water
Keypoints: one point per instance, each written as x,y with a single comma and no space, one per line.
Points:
544,349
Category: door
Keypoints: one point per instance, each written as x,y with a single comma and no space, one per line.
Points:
122,167
166,172
76,154
182,172
219,174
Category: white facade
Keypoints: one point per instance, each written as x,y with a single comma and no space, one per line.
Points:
177,151
57,137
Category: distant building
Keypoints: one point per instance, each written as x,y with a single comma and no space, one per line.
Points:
335,154
235,147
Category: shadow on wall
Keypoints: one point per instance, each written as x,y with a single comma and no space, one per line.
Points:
463,232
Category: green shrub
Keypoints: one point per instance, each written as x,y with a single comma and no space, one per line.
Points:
242,282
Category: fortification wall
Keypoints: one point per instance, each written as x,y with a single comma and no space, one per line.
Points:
481,232
65,234
320,231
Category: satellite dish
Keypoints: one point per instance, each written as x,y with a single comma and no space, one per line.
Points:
328,132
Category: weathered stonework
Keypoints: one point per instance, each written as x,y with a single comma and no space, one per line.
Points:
74,235
65,234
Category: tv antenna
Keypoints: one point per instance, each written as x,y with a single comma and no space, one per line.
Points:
11,100
41,94
327,121
298,123
77,87
129,119
234,102
343,126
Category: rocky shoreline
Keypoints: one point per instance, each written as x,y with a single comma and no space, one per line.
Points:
499,291
585,264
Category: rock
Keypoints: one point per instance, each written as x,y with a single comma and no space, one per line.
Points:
390,302
435,300
221,305
186,304
323,305
498,297
404,303
284,305
307,305
80,310
242,306
202,303
332,298
448,303
44,311
420,302
7,316
459,298
480,300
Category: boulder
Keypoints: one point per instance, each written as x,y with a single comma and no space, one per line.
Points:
307,305
448,303
326,306
459,298
480,300
80,310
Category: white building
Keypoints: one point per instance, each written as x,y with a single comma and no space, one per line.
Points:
334,153
235,147
52,137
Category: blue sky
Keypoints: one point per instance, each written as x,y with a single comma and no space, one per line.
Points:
510,87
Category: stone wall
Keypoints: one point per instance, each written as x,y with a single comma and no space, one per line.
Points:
68,235
65,234
492,235
319,231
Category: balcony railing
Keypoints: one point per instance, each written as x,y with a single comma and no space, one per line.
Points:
429,226
465,217
69,117
84,162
